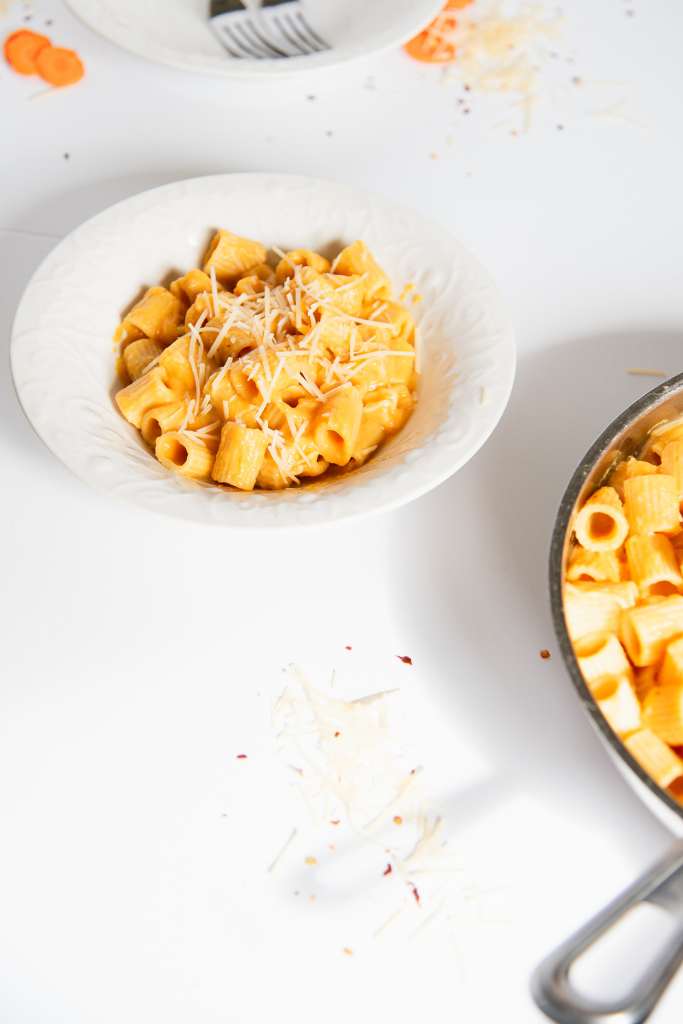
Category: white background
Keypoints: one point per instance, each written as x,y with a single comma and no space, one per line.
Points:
141,655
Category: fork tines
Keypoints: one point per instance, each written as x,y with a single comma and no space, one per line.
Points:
275,29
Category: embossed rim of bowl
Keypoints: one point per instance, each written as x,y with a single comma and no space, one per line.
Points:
64,382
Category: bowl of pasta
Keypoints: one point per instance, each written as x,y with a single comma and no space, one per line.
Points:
262,351
616,586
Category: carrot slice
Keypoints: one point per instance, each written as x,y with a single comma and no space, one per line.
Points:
21,50
58,66
423,47
432,45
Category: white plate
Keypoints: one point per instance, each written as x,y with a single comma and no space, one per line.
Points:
63,363
176,32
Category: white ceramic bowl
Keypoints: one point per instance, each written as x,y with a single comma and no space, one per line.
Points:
177,32
63,363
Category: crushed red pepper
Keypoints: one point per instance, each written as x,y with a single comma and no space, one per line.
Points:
348,647
415,893
405,658
388,869
545,654
241,757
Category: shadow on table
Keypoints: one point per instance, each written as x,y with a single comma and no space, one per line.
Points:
480,542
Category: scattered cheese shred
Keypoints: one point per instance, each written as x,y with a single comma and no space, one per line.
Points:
347,765
637,371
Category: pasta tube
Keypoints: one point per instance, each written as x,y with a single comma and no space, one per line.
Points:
230,256
185,454
336,426
617,700
601,524
138,356
239,456
629,468
663,712
157,315
144,393
601,657
651,504
357,259
653,564
672,463
596,608
646,630
161,419
595,566
664,433
190,285
671,672
653,755
300,258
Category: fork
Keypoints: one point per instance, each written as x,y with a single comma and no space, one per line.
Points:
274,29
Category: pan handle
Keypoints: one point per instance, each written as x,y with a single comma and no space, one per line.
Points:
551,986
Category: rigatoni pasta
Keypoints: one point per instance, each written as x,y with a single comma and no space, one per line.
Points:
601,524
251,375
658,760
623,602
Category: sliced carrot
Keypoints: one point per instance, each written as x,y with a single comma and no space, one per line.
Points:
21,50
430,50
58,66
433,45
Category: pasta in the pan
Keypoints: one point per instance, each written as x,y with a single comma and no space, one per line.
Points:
257,376
623,603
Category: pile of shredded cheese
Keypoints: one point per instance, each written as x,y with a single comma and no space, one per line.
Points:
349,768
343,755
493,49
497,52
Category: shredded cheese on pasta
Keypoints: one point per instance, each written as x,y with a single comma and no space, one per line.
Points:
294,338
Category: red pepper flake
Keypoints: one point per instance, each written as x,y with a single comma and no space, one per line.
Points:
335,821
415,893
337,733
348,647
388,869
545,654
398,820
405,658
241,757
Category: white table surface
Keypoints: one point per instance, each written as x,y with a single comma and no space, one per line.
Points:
140,654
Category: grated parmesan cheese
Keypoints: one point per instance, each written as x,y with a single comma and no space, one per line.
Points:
348,769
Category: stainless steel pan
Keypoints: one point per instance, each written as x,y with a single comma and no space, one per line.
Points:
662,884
